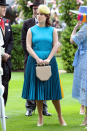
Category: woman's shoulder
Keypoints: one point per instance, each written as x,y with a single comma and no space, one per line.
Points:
51,28
33,27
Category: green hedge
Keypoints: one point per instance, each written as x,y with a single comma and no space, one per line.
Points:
17,52
27,12
68,50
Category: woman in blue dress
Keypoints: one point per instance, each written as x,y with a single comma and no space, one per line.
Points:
42,44
79,90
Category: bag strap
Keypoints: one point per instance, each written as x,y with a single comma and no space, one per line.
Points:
42,65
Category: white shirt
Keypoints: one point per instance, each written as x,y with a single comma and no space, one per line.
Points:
1,38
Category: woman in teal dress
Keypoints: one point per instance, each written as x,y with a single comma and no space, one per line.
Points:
42,44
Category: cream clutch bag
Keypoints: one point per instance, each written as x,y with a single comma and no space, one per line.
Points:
43,72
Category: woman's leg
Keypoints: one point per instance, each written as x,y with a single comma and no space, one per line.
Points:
85,120
82,110
40,115
58,110
86,112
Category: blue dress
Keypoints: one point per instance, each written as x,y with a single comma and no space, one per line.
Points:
33,88
79,90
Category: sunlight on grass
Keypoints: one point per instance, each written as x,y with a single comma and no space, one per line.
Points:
60,63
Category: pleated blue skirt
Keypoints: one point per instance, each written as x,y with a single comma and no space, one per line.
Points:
34,89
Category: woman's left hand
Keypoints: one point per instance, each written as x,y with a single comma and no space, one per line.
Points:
46,61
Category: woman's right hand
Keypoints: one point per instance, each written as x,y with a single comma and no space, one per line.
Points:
39,61
78,24
74,31
5,57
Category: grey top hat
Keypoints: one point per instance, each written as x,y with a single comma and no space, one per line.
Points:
3,3
82,10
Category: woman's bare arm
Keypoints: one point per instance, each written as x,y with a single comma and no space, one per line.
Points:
56,44
29,47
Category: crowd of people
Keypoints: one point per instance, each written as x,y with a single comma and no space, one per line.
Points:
40,50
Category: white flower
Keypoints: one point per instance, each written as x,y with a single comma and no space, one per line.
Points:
29,3
80,2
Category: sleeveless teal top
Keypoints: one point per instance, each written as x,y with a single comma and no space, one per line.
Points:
42,45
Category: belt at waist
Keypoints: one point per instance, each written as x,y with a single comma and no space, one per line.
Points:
78,52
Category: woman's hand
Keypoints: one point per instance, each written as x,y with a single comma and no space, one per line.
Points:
78,24
39,61
5,57
46,61
74,31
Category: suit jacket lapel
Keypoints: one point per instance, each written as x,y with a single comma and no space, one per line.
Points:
6,28
2,33
33,22
1,37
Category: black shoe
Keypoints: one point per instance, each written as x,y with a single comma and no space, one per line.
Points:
6,117
45,113
28,113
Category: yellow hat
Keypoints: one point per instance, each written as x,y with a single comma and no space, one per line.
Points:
44,9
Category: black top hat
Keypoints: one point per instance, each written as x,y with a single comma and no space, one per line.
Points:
36,3
3,3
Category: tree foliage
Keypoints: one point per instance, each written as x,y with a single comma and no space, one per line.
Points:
65,7
68,50
17,52
27,11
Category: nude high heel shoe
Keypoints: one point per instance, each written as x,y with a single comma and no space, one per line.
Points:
40,123
84,122
62,122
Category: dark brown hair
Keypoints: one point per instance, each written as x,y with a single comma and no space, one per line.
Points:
48,23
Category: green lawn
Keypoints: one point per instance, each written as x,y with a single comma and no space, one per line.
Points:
15,109
60,63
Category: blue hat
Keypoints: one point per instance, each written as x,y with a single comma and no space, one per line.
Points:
82,10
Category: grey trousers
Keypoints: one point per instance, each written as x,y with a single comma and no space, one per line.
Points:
31,105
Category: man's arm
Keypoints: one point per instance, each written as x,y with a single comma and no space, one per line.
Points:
9,46
10,42
23,37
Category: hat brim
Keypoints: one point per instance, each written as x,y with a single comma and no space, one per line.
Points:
4,4
77,12
35,5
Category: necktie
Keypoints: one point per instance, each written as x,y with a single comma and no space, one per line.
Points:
2,24
36,21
